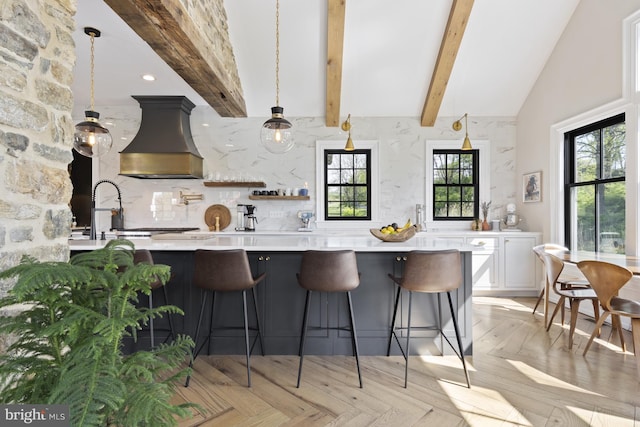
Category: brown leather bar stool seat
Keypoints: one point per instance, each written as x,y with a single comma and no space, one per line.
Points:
431,272
144,256
329,271
225,271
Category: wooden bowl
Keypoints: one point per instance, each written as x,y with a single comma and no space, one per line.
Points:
402,236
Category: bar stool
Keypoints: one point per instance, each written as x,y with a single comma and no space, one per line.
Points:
329,271
144,256
429,272
225,271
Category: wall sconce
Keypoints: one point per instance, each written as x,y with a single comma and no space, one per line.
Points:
346,126
91,139
457,125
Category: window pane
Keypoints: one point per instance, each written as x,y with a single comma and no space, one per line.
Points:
467,194
453,176
612,217
613,146
466,161
333,209
440,209
466,176
585,217
347,193
346,176
360,176
454,194
467,209
361,209
346,161
333,176
360,161
587,153
347,209
440,194
455,209
333,161
361,194
439,176
333,194
453,161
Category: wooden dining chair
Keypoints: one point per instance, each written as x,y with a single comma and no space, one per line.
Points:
554,266
606,280
565,282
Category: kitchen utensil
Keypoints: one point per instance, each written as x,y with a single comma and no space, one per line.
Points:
220,211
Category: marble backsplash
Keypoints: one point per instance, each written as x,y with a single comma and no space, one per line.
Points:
232,151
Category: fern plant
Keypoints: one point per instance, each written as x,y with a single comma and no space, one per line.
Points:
67,346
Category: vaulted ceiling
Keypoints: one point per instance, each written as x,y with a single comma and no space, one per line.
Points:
373,58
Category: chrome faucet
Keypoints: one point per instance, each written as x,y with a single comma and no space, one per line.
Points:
117,220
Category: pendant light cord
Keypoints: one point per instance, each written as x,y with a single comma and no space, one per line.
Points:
277,52
92,72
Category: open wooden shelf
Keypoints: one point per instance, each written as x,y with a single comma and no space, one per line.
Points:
234,184
252,197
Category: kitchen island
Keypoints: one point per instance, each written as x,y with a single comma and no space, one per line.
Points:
281,300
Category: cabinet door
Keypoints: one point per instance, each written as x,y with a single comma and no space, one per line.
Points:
484,263
519,263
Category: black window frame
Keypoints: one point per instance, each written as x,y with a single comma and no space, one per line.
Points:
570,174
327,186
475,184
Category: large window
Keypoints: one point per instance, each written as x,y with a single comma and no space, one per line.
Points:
455,184
347,185
595,157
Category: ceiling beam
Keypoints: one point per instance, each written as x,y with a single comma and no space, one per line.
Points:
451,39
167,27
335,42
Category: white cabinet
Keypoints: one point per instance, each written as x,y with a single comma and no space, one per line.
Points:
503,263
485,263
520,270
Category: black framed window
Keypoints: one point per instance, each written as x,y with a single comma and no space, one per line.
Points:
347,184
455,184
595,189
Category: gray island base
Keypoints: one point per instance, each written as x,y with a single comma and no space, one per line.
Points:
281,300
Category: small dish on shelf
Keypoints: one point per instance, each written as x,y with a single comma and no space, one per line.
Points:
402,236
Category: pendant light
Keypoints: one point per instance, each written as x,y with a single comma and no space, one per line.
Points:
457,125
91,139
276,134
346,126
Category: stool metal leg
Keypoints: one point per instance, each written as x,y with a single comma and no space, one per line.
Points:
151,330
246,335
455,326
213,305
169,316
406,357
303,334
354,338
393,321
195,351
255,306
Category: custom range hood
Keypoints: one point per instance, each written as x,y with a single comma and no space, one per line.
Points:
163,146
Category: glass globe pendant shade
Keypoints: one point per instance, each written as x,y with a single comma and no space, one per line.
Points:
276,134
91,139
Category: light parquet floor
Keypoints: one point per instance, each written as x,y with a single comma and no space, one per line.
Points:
521,375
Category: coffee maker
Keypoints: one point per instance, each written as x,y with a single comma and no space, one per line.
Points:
250,218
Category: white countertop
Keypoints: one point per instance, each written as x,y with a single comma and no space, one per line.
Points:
288,242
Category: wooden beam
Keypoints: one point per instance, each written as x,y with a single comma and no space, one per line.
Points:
167,27
335,42
458,18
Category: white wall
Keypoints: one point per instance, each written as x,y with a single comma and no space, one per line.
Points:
231,147
584,72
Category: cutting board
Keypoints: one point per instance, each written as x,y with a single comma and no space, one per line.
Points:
220,211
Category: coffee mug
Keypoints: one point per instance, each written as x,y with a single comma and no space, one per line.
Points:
287,192
304,192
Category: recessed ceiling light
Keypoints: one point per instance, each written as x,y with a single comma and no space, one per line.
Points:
109,123
148,77
205,125
124,138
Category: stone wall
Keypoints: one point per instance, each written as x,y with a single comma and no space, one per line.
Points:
37,55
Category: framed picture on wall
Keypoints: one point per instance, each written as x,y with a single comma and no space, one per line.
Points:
532,187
